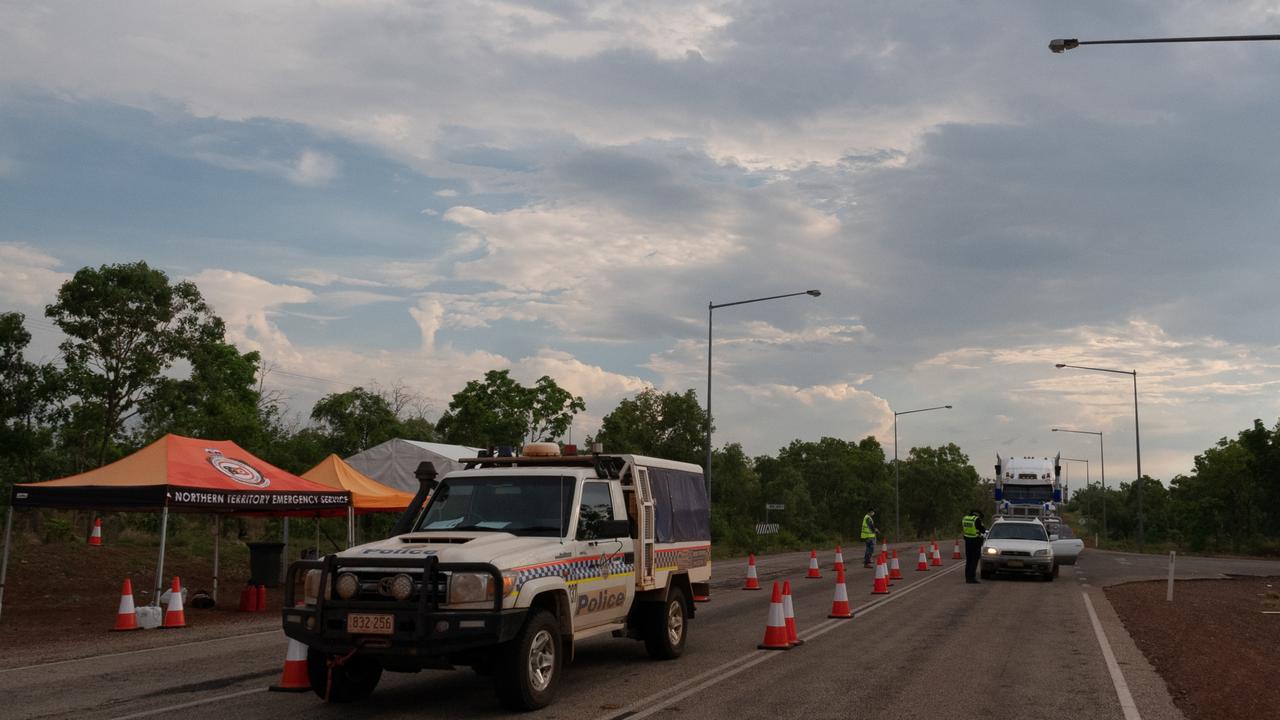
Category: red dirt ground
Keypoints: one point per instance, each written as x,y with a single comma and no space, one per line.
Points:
1213,645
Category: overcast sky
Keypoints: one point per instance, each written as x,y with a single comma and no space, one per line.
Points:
421,191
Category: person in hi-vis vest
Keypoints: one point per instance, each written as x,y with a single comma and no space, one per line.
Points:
868,536
974,531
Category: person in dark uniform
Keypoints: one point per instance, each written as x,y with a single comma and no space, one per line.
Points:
974,531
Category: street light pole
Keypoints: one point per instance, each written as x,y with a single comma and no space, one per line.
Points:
1086,472
1102,455
711,306
1060,45
1137,436
897,506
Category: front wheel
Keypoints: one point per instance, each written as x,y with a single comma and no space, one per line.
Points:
667,627
353,680
528,670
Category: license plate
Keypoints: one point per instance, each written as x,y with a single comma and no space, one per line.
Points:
370,624
1014,563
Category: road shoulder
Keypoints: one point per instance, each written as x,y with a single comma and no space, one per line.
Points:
1150,694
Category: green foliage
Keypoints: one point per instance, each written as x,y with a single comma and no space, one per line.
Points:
29,396
219,400
125,325
497,410
355,420
937,487
660,424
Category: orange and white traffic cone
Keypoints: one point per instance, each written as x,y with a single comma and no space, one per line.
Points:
127,615
789,614
295,677
174,617
814,572
881,585
753,582
937,557
95,537
775,631
922,564
895,572
840,603
955,554
839,560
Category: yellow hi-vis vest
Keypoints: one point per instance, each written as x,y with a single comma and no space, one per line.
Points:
970,526
866,527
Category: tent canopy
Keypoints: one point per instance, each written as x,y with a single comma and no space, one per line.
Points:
366,494
187,474
392,463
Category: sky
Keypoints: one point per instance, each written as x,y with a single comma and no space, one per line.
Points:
413,192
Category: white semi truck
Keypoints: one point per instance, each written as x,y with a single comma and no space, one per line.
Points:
1028,486
512,562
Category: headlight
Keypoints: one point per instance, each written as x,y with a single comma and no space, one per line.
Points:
470,588
990,551
347,585
1043,553
401,587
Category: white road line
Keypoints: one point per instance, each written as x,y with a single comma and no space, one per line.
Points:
138,652
664,699
193,703
1117,678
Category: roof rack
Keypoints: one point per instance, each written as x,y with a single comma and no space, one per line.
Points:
605,465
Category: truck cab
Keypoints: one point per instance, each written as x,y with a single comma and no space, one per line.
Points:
511,563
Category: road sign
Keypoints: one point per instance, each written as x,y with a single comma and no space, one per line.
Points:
774,506
766,528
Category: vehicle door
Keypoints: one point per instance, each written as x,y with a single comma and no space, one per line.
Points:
603,573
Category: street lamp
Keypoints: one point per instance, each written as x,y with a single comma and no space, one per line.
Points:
710,307
897,511
1063,44
1137,438
1102,455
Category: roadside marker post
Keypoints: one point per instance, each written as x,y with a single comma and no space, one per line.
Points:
1173,556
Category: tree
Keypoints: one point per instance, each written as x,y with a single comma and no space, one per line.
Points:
29,394
125,325
662,424
355,420
936,484
498,410
219,400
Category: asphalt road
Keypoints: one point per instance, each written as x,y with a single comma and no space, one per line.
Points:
934,648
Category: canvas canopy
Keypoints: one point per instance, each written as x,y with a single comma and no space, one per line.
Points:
187,474
367,495
392,463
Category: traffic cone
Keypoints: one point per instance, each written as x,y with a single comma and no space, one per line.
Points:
775,631
840,603
881,585
955,554
937,557
922,564
95,537
789,614
814,572
839,560
753,582
294,678
127,615
260,602
174,617
895,572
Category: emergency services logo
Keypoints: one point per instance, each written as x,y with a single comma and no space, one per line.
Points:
238,470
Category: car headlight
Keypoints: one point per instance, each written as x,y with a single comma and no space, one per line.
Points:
470,588
1043,553
990,551
347,585
401,587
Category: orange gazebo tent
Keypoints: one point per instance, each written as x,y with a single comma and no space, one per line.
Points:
367,494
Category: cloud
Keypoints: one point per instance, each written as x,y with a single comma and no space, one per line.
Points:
28,277
446,193
310,168
246,303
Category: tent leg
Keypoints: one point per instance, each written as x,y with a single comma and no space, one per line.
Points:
284,556
217,540
164,531
351,526
8,545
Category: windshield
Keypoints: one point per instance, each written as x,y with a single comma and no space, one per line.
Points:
1017,531
520,505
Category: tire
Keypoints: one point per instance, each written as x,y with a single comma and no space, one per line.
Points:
354,680
528,668
667,627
